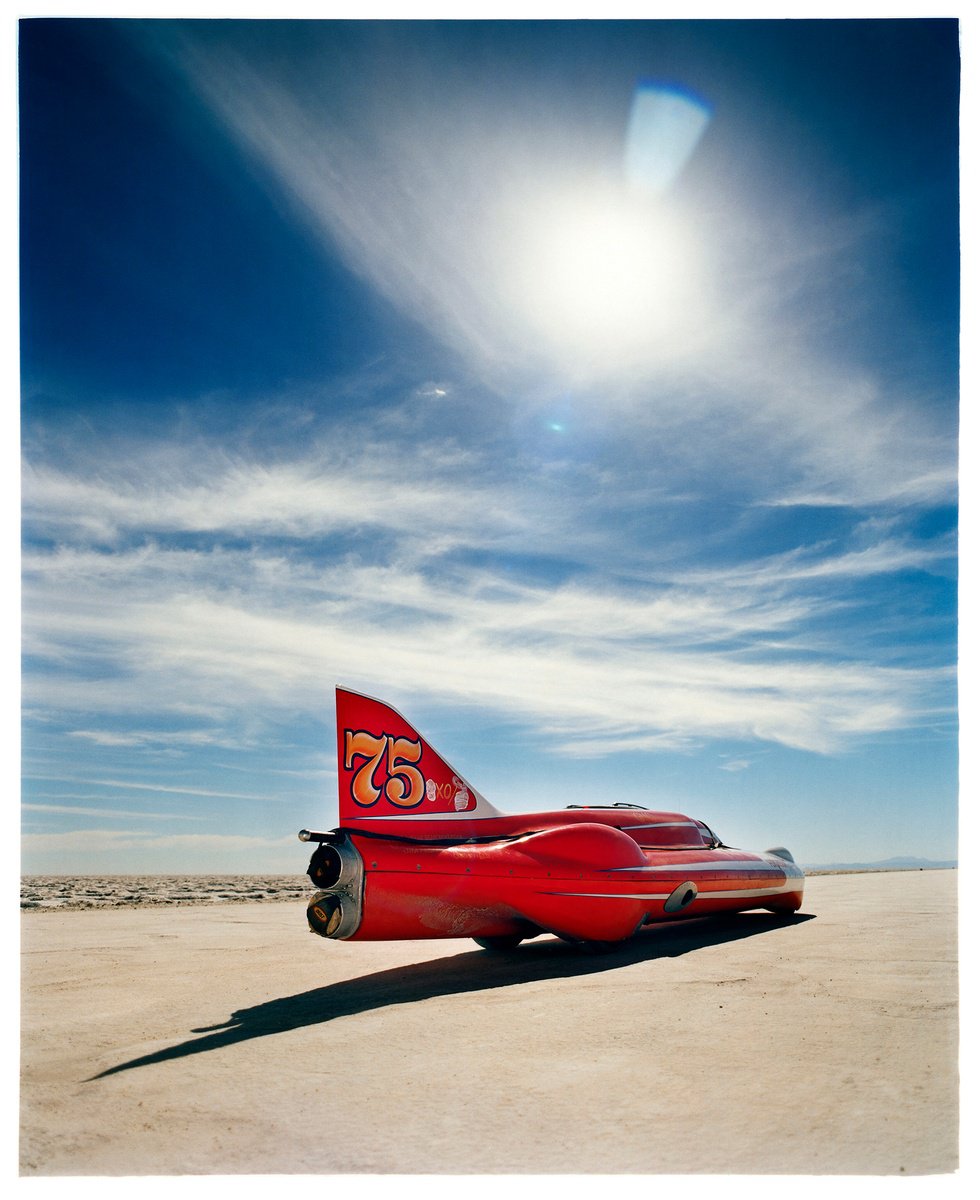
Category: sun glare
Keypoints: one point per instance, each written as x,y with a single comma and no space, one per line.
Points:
608,280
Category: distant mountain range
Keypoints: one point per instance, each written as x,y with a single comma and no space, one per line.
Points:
885,864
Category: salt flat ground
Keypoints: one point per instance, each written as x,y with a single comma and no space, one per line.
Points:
226,1040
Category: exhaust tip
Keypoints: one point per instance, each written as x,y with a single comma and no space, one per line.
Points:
324,913
326,867
681,896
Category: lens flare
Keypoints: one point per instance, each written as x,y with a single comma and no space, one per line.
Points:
666,123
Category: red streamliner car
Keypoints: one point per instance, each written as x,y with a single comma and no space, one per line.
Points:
419,853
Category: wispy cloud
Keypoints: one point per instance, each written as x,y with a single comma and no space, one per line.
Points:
76,810
689,654
443,201
148,738
335,493
133,785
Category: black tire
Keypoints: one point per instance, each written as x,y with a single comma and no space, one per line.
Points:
505,941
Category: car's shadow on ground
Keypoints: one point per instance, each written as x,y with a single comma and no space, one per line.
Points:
472,971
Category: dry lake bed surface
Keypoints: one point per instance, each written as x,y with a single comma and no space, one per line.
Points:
217,1036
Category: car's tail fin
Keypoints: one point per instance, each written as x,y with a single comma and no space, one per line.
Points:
385,768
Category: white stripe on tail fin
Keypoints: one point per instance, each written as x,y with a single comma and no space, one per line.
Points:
386,769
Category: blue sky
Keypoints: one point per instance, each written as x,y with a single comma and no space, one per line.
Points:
356,353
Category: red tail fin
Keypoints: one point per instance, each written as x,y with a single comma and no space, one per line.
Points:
385,768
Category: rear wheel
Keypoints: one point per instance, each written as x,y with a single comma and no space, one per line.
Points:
504,941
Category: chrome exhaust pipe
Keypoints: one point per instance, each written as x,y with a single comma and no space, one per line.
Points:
335,909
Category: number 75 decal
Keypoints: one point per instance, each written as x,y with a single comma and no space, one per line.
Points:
404,785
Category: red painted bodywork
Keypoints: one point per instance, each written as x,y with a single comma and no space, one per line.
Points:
419,853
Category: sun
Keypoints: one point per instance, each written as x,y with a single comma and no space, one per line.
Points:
605,279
